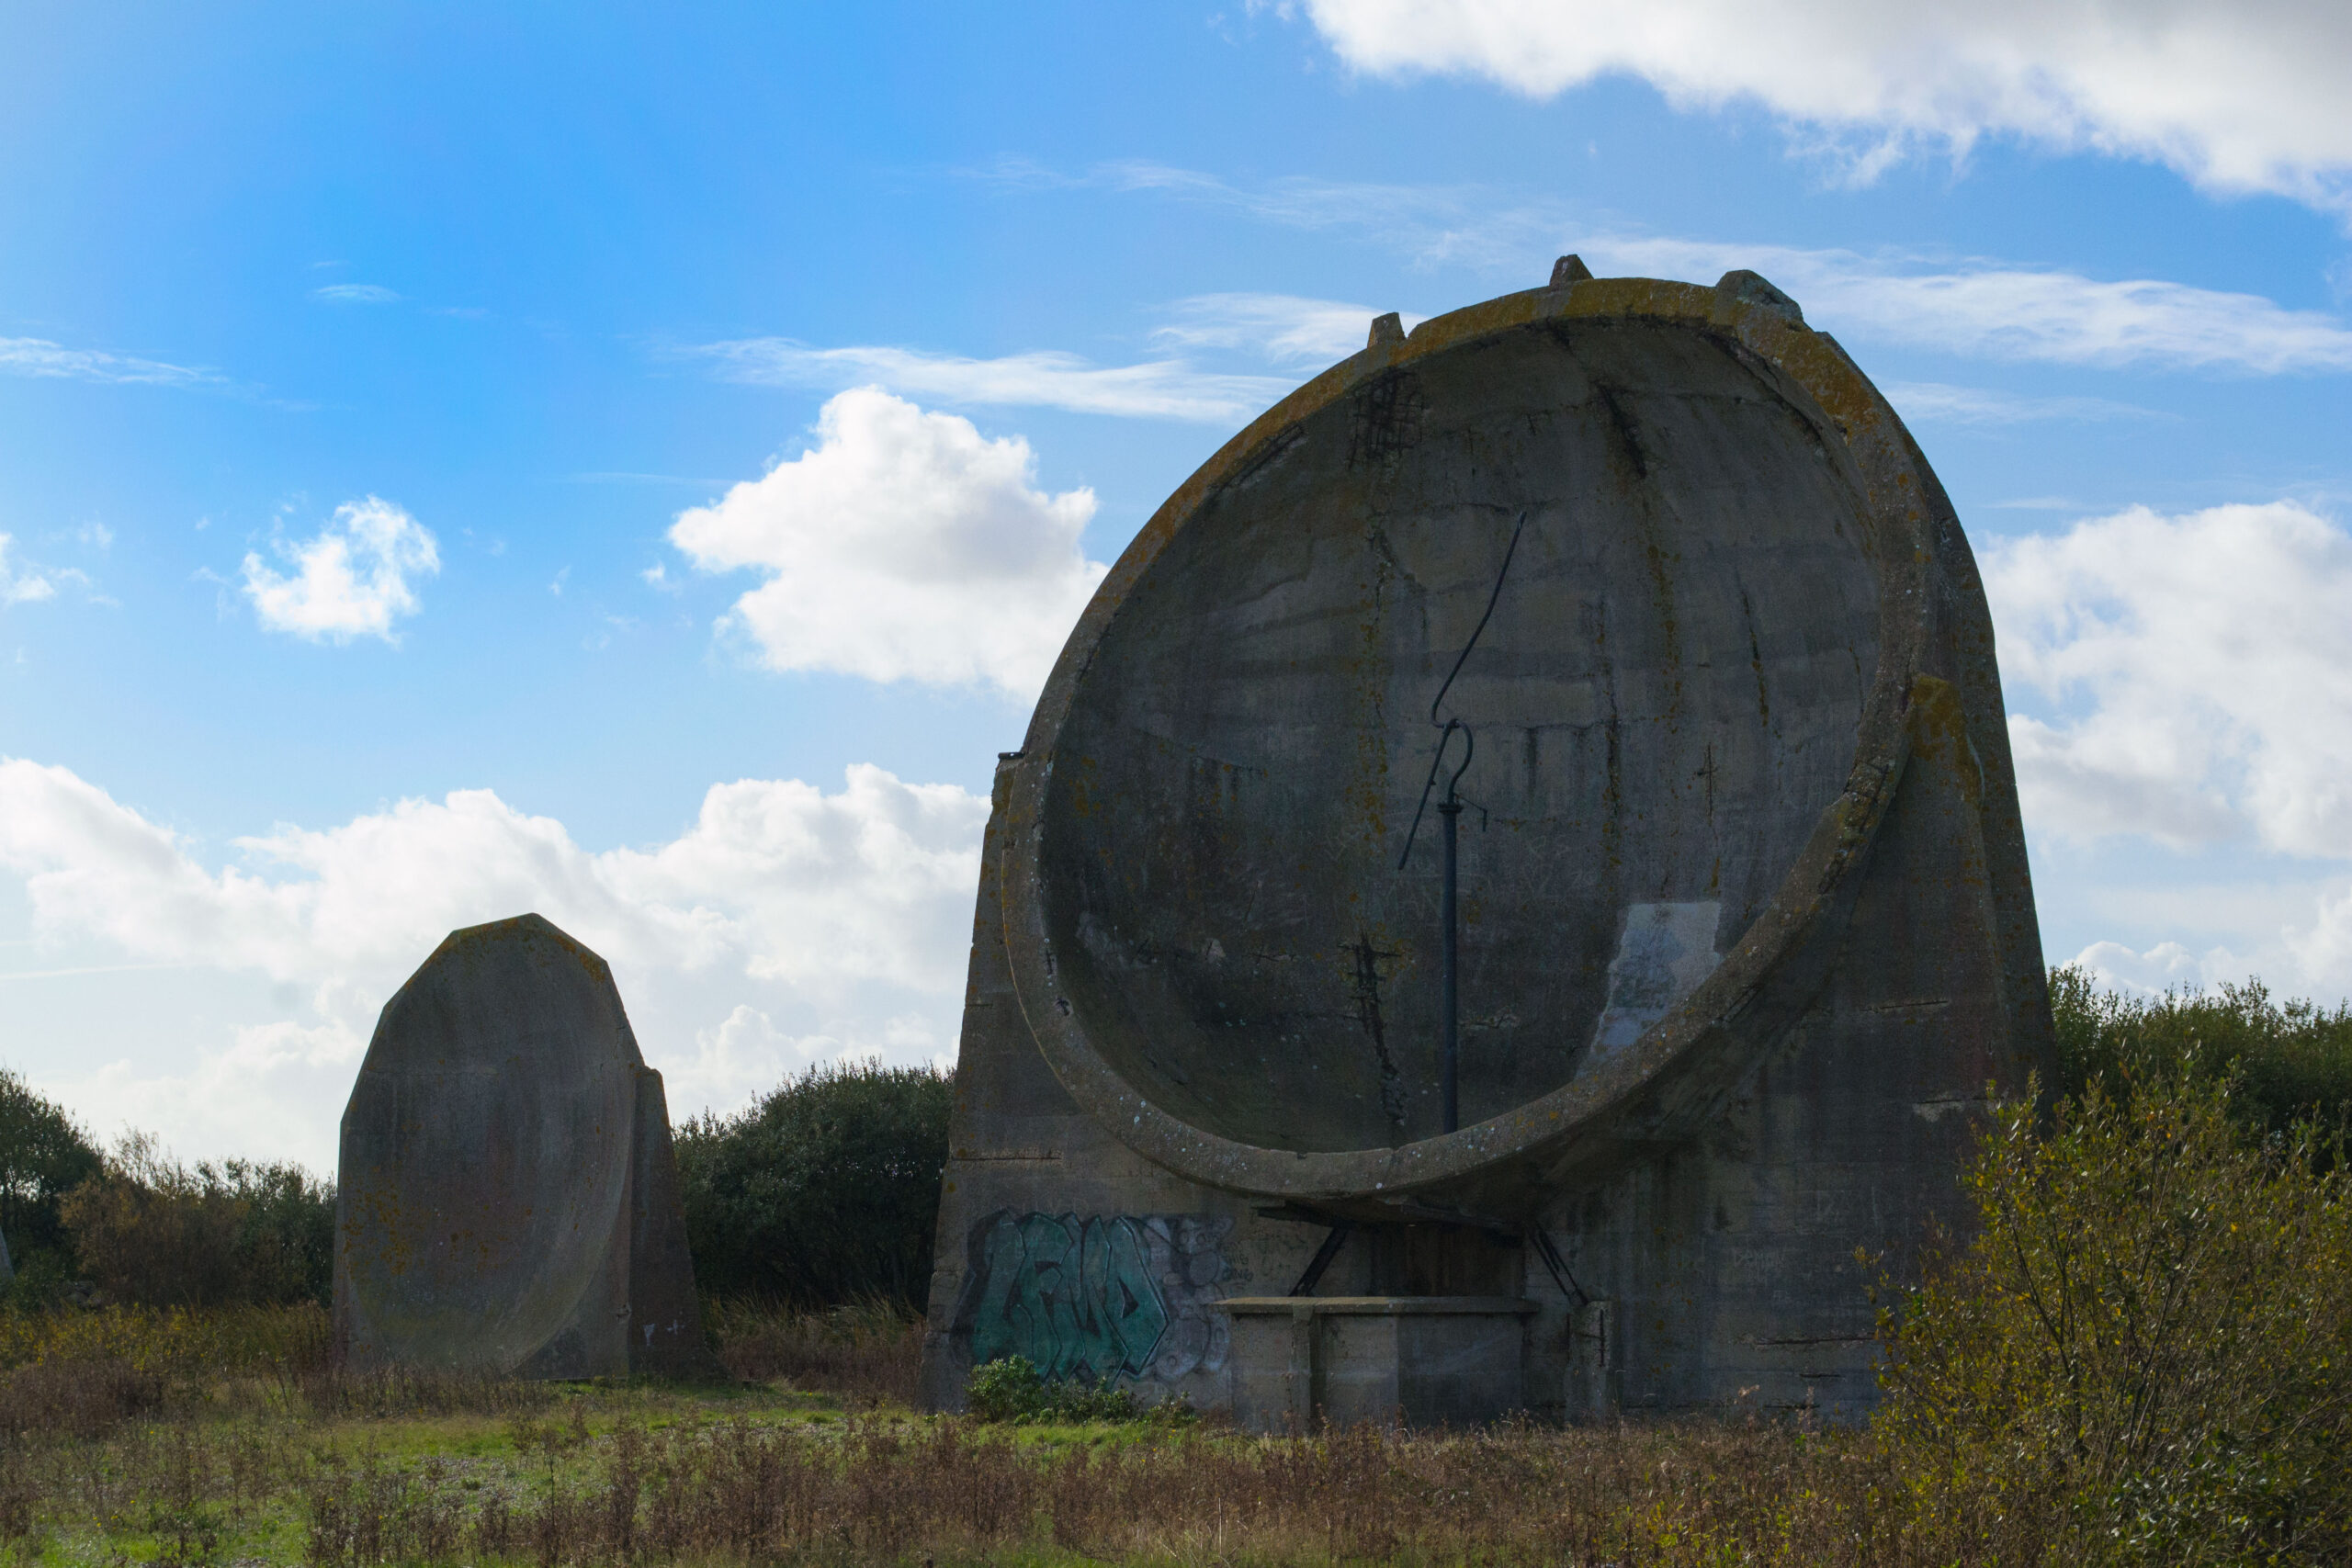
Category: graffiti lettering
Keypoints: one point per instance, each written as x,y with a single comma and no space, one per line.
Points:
1102,1297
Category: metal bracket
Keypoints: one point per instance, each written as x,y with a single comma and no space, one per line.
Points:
1322,1259
1557,1266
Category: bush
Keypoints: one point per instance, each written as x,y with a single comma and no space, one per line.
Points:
824,1194
43,1155
150,1230
2290,1060
1012,1390
2146,1355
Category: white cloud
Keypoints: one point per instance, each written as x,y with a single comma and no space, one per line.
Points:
351,579
852,910
1166,389
38,357
1936,403
21,585
744,1047
903,546
1283,329
2200,672
2241,97
355,293
2168,966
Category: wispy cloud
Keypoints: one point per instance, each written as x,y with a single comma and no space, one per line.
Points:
1283,329
624,477
1936,403
1975,307
1166,389
1984,309
1466,225
38,357
355,293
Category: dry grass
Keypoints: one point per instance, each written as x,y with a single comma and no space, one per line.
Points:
869,1355
761,1484
266,1457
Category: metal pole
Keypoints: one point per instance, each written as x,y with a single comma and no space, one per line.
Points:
1449,815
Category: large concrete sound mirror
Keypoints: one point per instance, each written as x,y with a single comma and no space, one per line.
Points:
1521,852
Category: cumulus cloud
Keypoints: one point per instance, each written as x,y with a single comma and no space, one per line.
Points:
38,357
2243,97
1166,389
2166,966
2200,672
1285,329
849,911
352,579
904,546
775,878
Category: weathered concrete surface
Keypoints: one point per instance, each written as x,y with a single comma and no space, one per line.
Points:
1300,1361
507,1199
1746,927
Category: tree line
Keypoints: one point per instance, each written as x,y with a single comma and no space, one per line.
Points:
822,1193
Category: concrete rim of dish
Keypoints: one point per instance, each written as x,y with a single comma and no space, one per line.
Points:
1468,1174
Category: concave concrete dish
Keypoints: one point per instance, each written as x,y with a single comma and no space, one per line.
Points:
1739,607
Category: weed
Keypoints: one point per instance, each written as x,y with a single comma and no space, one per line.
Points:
1010,1389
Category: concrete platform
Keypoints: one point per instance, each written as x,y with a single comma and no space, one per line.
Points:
1423,1361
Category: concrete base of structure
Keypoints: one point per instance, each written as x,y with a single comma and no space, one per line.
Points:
1299,1361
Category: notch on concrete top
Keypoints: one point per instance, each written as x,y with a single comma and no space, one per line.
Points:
1389,328
1570,269
1751,289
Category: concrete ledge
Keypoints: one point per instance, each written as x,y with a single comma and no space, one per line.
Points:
1379,1306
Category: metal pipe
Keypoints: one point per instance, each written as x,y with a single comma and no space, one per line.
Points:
1449,1048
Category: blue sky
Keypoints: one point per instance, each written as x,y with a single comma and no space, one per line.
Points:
474,310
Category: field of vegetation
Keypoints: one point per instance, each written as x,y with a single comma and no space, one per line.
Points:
2143,1354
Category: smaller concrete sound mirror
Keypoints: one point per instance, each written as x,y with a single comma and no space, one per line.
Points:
507,1199
1641,593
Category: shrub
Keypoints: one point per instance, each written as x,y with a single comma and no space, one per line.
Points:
825,1192
1012,1390
2145,1354
150,1230
43,1155
2290,1060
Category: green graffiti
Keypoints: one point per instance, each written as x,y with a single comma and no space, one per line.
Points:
1077,1298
